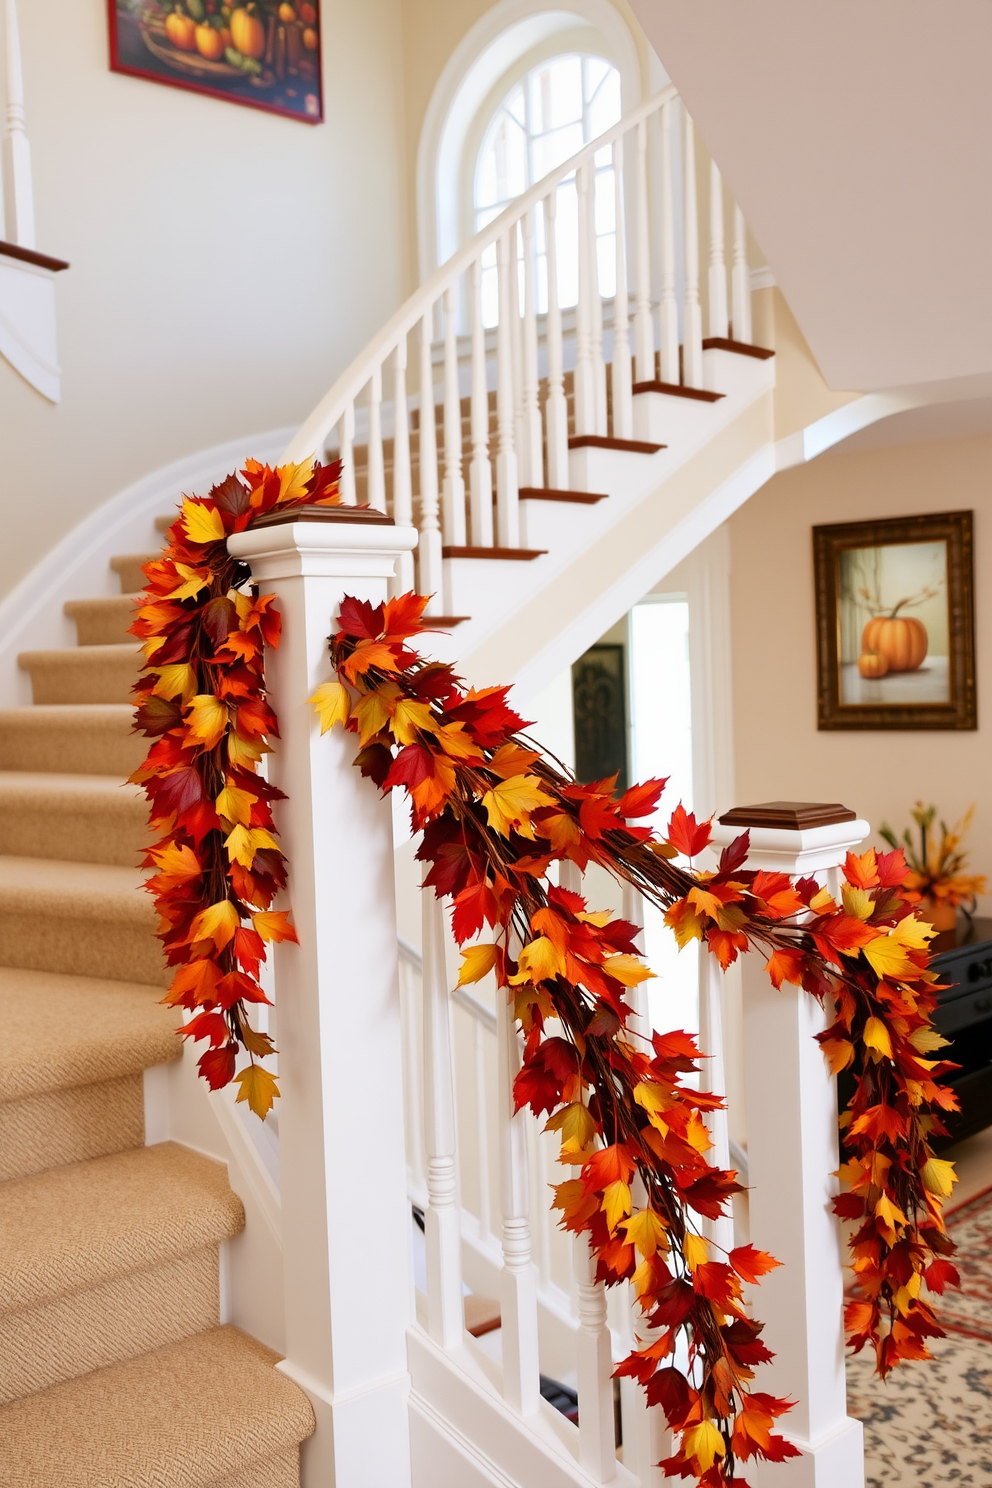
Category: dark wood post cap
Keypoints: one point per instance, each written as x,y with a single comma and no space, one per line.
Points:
790,816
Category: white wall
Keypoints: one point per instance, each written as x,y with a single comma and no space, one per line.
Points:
226,263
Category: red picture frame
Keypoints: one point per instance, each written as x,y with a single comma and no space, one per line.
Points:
263,54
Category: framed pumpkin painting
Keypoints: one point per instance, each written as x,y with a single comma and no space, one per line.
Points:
895,623
261,53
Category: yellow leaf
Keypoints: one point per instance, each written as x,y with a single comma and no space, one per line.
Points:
332,704
258,1088
177,680
177,861
245,753
887,958
857,902
913,933
273,924
410,718
839,1053
477,962
207,719
244,842
889,1215
646,1231
217,922
372,716
654,1100
576,1124
927,1040
456,743
202,524
939,1177
704,1444
876,1036
539,961
597,917
630,970
293,480
696,1134
193,582
509,804
695,1250
234,804
822,903
616,1202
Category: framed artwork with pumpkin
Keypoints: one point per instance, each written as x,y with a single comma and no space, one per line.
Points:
895,624
261,53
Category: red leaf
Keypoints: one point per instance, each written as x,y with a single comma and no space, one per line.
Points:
940,1274
750,1263
641,800
670,1389
217,1065
735,853
357,618
686,834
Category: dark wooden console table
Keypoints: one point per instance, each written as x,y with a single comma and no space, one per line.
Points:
963,959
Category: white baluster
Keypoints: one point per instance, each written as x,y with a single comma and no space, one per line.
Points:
507,503
585,375
668,309
712,1077
18,192
597,1433
445,1317
643,324
718,269
429,547
741,277
518,1279
623,405
516,348
596,305
480,470
376,469
482,1130
692,315
347,437
402,484
532,447
453,504
556,408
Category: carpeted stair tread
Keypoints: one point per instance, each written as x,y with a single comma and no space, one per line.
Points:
85,818
82,674
67,890
73,1227
90,738
189,1415
128,566
102,622
63,1031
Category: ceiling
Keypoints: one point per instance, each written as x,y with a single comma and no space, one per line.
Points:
857,139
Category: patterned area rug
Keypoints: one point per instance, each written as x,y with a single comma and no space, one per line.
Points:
930,1424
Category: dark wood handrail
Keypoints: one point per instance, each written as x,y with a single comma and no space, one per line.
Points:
28,255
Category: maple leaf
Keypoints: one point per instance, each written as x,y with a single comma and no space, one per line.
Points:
686,834
234,805
862,871
630,970
258,1087
509,803
752,1264
217,922
785,965
207,719
202,521
477,962
539,961
274,925
703,1444
645,1230
332,704
409,719
641,800
938,1176
217,1065
178,680
615,1203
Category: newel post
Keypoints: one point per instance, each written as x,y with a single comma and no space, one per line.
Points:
345,1215
792,1145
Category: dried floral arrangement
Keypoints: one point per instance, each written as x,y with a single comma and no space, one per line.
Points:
937,877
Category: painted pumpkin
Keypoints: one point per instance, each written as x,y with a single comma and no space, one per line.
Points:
901,639
209,43
872,664
247,34
287,13
307,14
181,31
310,39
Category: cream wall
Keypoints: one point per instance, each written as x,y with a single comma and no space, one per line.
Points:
780,754
226,263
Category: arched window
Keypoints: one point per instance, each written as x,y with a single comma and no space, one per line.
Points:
556,108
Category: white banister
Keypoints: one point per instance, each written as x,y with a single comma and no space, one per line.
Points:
643,324
594,1367
429,553
556,409
790,1101
402,479
346,1332
346,428
622,379
507,503
480,470
717,282
442,1221
518,1280
585,374
376,466
692,315
712,1077
453,503
18,192
595,300
481,1127
668,310
531,455
741,277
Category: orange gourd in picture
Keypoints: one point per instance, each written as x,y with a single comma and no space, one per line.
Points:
209,43
901,639
872,664
181,31
247,34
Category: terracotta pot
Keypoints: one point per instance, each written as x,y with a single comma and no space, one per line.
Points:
941,915
901,639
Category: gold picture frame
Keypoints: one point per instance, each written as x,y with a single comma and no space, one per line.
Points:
895,626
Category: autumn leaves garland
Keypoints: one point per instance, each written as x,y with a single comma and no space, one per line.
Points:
201,697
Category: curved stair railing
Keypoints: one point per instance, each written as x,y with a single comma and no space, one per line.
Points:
512,401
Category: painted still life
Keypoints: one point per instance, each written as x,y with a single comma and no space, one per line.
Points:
894,623
263,53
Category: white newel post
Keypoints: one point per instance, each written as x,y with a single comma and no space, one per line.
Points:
792,1143
346,1219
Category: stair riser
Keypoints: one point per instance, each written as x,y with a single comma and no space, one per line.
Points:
64,1126
80,677
76,831
128,570
83,747
42,1346
282,1471
45,939
102,622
